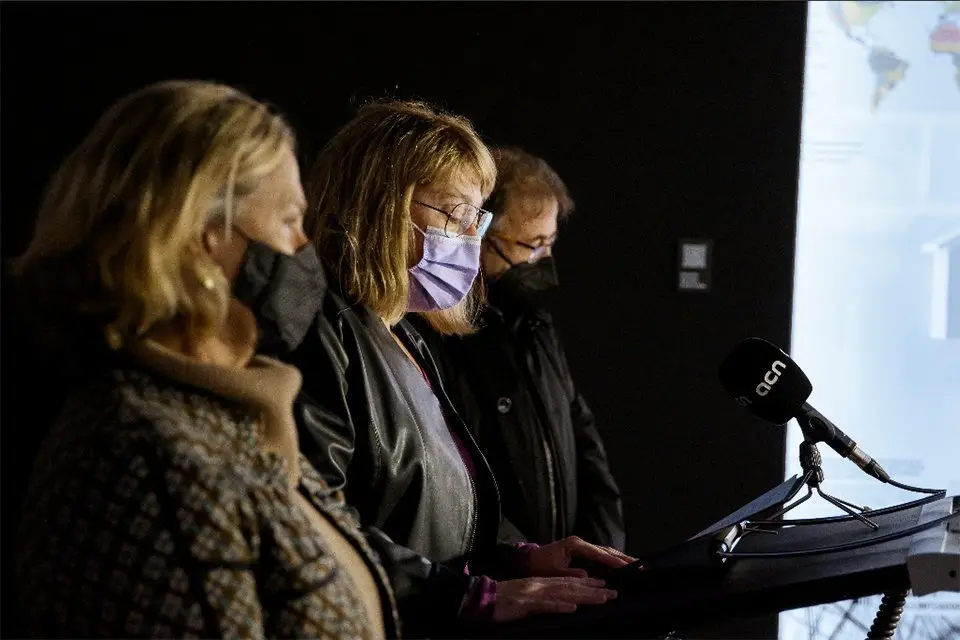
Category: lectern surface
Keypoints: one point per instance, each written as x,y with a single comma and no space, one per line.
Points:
659,601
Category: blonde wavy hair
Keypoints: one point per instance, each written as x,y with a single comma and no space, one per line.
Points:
118,237
360,189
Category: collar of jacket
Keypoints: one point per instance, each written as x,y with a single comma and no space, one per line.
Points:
502,310
285,294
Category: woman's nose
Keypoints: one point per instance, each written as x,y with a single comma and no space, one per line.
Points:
300,240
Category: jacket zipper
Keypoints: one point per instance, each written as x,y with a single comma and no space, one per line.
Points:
476,508
546,442
552,482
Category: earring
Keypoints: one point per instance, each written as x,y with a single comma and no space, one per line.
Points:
113,337
207,279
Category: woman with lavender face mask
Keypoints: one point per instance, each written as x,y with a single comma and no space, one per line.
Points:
450,254
394,215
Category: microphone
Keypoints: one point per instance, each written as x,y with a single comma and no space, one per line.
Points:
762,378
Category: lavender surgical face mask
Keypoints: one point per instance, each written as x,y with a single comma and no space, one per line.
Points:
446,272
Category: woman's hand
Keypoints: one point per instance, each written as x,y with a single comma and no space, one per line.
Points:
555,558
516,599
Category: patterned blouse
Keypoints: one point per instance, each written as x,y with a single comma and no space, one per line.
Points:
152,512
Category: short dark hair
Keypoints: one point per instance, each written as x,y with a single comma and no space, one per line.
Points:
523,174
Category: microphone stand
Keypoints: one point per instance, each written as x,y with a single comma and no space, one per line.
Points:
888,615
813,477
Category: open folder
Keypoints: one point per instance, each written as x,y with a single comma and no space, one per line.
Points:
697,558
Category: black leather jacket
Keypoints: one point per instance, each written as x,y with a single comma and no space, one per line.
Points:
512,383
369,422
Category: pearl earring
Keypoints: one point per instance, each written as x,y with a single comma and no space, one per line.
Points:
207,279
113,338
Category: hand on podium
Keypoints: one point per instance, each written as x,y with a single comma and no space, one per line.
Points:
558,580
575,557
516,599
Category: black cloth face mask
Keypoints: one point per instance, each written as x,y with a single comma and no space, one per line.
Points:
284,292
528,284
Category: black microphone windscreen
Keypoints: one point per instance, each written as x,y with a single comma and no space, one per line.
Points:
761,377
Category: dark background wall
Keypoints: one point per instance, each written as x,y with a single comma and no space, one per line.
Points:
667,120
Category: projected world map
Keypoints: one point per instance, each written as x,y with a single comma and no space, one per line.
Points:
890,66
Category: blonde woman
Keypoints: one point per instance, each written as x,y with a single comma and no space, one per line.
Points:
170,498
395,216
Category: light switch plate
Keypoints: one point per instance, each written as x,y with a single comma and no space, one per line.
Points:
695,257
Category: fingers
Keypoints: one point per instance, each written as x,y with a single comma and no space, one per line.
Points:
584,581
570,589
619,554
579,548
530,587
519,609
579,595
517,599
582,593
564,602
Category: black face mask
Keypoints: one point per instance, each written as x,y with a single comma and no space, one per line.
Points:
528,284
282,291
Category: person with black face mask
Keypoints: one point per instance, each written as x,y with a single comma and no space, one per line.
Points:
170,496
511,380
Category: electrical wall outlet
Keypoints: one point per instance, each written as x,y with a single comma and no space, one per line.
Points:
695,257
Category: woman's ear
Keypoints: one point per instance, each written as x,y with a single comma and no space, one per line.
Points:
228,252
414,246
213,239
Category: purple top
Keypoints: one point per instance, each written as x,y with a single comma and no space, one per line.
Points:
464,453
457,440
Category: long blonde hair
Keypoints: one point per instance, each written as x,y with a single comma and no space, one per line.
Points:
360,189
119,229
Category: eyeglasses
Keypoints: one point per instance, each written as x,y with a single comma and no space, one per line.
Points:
537,251
462,217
